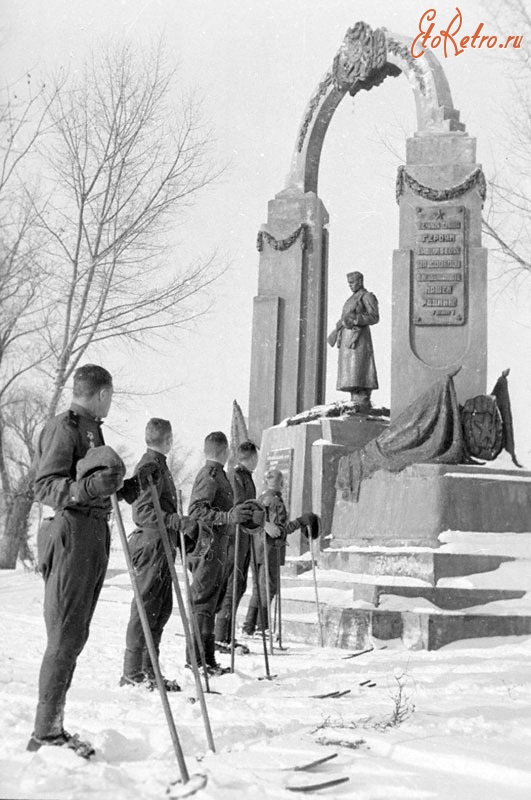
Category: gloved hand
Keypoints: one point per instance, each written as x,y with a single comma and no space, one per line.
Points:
240,514
173,521
258,517
257,514
145,471
272,530
190,530
129,491
310,524
101,483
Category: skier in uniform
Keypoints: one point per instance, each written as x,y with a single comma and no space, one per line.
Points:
75,474
243,488
149,558
277,529
212,505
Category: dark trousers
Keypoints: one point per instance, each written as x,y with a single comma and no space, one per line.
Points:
223,624
154,581
208,565
73,552
259,594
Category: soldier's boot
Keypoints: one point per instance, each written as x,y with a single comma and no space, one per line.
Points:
203,625
49,731
222,633
210,657
133,672
249,626
149,674
64,739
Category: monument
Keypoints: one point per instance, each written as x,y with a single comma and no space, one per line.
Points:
356,369
439,329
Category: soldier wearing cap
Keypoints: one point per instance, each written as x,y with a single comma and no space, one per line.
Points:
212,505
240,476
356,371
75,474
149,558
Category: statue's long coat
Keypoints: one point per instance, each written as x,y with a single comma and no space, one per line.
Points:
356,367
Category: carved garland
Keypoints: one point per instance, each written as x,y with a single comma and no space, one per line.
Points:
476,178
283,244
360,63
403,52
314,102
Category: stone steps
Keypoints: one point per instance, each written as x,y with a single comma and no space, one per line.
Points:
357,628
425,564
448,598
392,593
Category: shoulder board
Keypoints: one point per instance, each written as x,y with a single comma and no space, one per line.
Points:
73,419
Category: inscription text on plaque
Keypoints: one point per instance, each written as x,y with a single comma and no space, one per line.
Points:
440,286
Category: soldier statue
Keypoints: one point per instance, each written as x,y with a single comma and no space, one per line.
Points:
356,371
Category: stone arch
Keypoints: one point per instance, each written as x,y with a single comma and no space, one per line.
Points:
440,177
364,60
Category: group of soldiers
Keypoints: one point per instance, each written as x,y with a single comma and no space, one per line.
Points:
77,474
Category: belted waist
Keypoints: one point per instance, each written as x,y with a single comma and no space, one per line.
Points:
90,511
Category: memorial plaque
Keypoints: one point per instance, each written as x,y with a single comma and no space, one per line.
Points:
282,459
439,281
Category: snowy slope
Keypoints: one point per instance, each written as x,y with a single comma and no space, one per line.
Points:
466,732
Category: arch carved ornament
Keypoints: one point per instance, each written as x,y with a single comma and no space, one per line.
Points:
365,59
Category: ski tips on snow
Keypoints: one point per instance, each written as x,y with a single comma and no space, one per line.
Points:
315,787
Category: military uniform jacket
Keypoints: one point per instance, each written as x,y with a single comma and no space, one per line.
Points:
211,497
275,512
242,483
63,442
144,514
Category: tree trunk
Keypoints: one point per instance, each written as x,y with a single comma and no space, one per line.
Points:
16,522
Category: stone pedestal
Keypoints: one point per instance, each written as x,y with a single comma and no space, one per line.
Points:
308,455
440,271
414,506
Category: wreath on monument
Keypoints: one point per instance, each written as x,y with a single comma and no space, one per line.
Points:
284,244
476,178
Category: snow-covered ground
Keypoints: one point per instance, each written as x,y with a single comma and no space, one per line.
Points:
464,727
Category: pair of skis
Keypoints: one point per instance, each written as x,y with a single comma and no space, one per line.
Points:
314,785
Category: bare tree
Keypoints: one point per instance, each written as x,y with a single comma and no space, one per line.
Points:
125,157
23,118
507,220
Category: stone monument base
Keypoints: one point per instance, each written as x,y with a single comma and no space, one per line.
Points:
414,506
308,454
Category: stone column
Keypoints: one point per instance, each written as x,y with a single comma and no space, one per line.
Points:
440,271
288,358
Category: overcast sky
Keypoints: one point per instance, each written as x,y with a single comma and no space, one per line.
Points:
256,65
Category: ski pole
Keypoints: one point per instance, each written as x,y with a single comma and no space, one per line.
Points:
185,777
188,636
267,589
187,596
279,605
260,608
319,620
235,578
